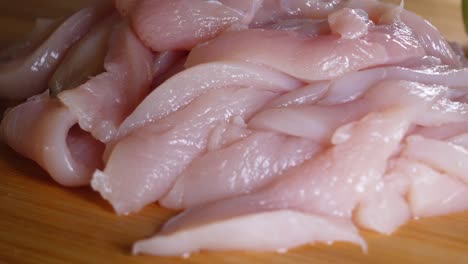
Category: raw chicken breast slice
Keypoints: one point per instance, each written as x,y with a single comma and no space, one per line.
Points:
329,186
432,192
181,24
27,76
383,210
187,85
306,27
353,85
442,132
237,169
264,231
315,58
460,140
350,23
43,130
318,122
309,59
274,10
426,34
143,165
102,103
84,59
307,95
443,156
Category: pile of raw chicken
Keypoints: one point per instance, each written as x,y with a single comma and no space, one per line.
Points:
272,124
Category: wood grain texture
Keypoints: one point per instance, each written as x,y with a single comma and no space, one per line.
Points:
41,222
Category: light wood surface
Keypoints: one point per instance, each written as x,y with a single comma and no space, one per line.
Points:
41,222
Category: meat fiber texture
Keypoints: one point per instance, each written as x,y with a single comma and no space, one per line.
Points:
271,124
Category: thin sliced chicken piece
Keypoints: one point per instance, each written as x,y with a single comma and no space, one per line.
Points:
187,85
351,86
307,95
238,169
317,122
274,10
384,211
264,231
328,186
306,27
84,59
102,103
442,132
181,24
317,58
27,76
309,59
426,34
386,208
460,140
143,165
443,156
432,192
350,23
43,130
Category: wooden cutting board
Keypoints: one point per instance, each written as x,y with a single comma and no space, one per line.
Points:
42,222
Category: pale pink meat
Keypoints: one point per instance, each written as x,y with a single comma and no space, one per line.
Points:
443,132
181,24
383,210
274,10
306,27
432,192
84,59
309,58
350,23
318,122
187,85
226,134
353,85
271,123
310,188
102,103
239,168
143,165
426,34
29,75
45,131
443,156
263,231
